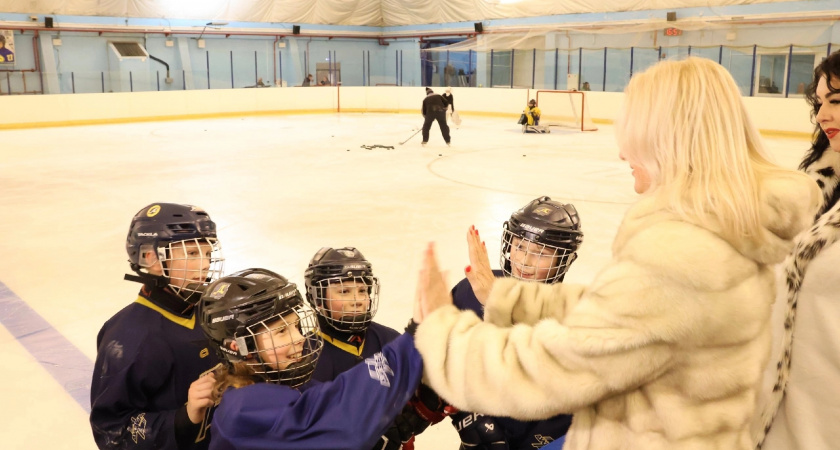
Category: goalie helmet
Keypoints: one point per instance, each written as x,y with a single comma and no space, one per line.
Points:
540,241
340,285
258,317
183,240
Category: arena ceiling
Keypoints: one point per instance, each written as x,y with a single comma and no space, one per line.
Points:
374,13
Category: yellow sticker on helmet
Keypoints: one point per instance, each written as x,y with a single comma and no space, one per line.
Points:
219,291
153,211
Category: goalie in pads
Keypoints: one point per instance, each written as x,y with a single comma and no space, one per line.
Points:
530,119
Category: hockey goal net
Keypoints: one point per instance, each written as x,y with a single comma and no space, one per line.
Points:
565,109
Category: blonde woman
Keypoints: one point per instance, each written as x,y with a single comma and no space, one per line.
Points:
665,349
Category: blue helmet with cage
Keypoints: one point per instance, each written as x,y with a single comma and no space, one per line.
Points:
540,241
174,245
340,285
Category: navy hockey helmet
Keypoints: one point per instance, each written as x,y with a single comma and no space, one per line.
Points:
540,241
340,285
174,245
258,317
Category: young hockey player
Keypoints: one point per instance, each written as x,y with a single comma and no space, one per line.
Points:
539,243
341,288
434,109
530,119
259,323
144,392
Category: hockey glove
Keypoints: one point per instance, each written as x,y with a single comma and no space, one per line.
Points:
430,406
401,433
479,432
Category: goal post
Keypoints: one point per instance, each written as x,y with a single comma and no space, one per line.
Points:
565,109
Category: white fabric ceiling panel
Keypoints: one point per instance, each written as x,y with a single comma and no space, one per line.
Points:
375,13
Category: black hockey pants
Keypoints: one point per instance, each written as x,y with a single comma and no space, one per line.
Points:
440,116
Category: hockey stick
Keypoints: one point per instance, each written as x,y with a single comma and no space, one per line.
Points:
409,138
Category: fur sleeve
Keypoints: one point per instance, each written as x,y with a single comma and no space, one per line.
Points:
512,301
534,372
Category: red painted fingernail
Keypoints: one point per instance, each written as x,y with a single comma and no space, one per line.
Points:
468,269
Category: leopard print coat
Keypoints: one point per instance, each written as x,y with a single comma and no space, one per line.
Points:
824,167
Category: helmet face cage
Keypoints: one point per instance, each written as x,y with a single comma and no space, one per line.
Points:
283,348
348,303
190,265
525,258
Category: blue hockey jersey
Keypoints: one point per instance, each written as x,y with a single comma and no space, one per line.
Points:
344,350
148,354
350,412
517,434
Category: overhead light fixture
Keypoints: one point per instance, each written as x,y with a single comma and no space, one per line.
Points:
211,24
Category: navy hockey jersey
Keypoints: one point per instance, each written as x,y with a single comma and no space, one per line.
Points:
350,412
148,354
344,350
517,434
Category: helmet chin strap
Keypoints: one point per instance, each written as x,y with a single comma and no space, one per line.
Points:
298,370
159,282
146,278
353,322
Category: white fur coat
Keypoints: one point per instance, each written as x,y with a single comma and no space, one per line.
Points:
664,350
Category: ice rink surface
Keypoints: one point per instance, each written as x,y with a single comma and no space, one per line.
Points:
279,188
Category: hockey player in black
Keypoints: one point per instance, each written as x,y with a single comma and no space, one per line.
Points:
341,287
434,108
539,243
449,98
145,392
261,326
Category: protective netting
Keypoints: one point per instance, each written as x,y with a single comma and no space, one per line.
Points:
775,58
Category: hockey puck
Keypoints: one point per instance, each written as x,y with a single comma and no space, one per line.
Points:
440,154
348,149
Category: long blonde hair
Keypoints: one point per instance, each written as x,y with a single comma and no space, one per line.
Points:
237,376
684,122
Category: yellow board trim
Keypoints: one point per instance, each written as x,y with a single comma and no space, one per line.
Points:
513,116
186,323
343,345
114,120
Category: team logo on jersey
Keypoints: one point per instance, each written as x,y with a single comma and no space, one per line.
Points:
541,440
138,427
379,369
153,211
544,211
